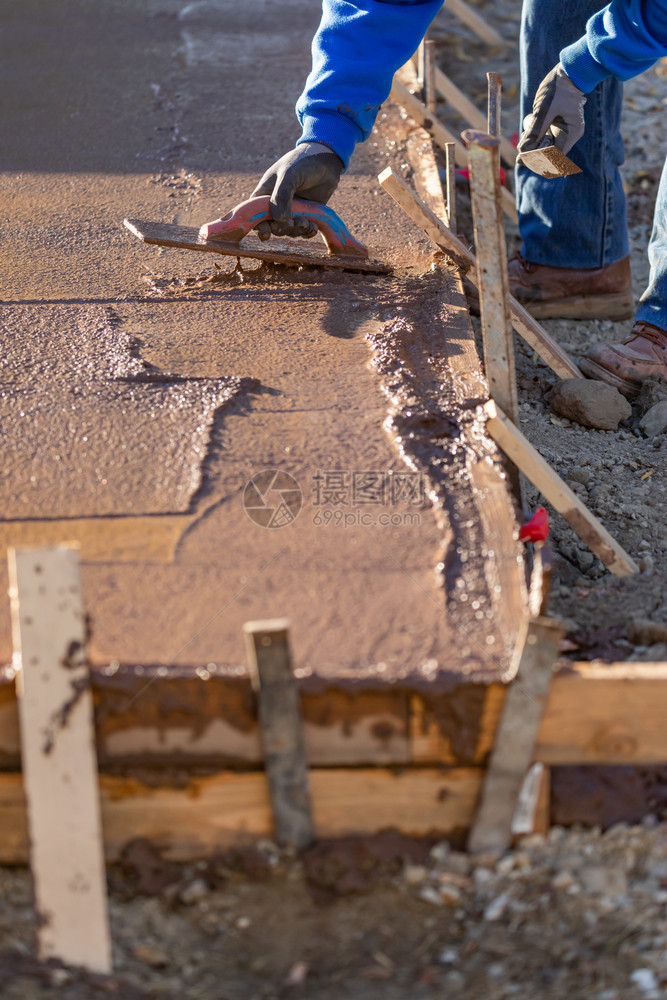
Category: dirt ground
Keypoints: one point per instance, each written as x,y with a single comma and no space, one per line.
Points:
580,914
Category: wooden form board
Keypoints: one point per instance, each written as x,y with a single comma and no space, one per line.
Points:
532,332
469,16
514,745
596,714
519,449
214,813
58,752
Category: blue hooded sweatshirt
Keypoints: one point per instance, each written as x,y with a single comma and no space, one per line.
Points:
360,45
356,51
623,39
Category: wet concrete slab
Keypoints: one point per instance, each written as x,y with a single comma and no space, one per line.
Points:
88,429
172,110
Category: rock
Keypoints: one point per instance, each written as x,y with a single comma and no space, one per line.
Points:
496,908
592,404
644,632
563,880
654,421
154,957
458,863
431,895
603,880
194,892
646,980
449,956
439,853
414,874
646,563
450,894
580,475
59,977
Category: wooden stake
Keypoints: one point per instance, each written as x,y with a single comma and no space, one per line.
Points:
282,731
515,740
519,449
525,325
493,281
472,115
58,751
441,135
472,19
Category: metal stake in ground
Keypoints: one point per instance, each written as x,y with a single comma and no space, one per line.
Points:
430,95
493,282
282,731
58,757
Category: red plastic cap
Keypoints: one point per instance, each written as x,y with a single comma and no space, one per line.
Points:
537,529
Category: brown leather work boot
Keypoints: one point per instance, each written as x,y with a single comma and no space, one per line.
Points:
564,292
641,355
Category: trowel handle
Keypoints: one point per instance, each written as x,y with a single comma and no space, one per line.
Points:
242,219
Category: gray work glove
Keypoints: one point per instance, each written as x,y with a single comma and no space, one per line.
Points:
557,117
309,171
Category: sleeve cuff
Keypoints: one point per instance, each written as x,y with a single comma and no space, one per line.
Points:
334,130
584,71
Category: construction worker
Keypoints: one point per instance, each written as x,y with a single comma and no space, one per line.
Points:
574,259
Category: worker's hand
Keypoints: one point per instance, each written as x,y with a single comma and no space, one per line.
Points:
557,115
309,171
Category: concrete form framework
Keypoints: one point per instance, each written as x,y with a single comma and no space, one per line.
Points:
289,760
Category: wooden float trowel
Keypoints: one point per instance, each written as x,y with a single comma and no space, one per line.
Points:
547,161
232,235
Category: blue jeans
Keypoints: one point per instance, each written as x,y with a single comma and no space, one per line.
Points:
580,221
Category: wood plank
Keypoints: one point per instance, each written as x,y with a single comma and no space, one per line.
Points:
476,23
493,279
214,813
606,714
595,714
470,112
58,753
163,234
532,332
518,448
515,739
281,731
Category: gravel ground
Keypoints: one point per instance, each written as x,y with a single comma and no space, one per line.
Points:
578,914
